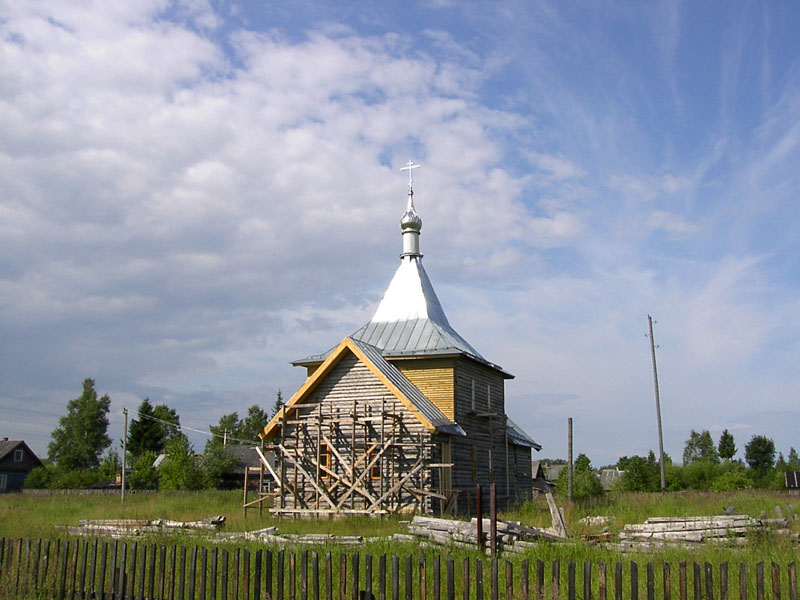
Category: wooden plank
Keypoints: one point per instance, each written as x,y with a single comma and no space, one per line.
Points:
120,576
465,584
203,573
192,572
509,579
62,575
571,580
618,581
395,577
367,576
355,587
478,579
328,577
142,570
723,581
634,581
214,570
776,581
451,584
495,583
666,580
742,581
791,574
257,563
651,581
409,574
101,585
602,581
760,581
292,577
682,579
162,561
342,576
223,587
237,554
555,579
182,574
587,580
539,579
381,577
709,578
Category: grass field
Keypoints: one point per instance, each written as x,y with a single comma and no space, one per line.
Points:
39,516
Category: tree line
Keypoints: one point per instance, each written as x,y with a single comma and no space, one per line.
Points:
158,453
705,466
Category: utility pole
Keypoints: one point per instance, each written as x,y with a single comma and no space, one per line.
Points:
658,408
569,454
224,438
124,452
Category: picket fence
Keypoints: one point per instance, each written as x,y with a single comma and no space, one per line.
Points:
118,570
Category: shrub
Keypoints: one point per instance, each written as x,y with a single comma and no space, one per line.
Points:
730,481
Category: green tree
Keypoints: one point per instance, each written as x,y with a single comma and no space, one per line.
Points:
760,454
170,421
727,445
254,423
641,474
144,475
700,446
228,430
110,467
145,434
585,482
81,435
794,460
180,469
214,463
276,408
152,429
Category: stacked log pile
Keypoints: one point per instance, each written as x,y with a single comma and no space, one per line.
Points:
511,535
118,528
660,532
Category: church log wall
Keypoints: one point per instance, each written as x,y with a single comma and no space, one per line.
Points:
382,426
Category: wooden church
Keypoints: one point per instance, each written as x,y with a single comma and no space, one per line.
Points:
403,415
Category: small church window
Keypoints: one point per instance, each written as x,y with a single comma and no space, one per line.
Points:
18,455
374,470
324,458
473,395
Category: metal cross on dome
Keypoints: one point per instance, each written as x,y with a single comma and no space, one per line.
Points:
410,166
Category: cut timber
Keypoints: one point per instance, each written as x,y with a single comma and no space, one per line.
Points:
559,525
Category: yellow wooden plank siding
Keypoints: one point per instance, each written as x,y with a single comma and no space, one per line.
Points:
434,377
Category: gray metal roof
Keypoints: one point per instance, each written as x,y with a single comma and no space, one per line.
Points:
410,321
431,412
516,435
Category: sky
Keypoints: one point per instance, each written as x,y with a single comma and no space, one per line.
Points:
194,193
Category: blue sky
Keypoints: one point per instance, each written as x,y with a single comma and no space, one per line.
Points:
194,193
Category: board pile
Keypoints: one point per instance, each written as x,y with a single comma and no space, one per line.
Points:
119,528
511,535
683,532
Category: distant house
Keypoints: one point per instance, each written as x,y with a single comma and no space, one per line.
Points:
540,481
246,457
609,478
16,461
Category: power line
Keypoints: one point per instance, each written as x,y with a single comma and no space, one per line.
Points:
209,433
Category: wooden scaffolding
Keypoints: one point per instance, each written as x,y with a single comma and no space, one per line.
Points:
365,460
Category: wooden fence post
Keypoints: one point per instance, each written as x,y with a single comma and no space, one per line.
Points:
223,590
525,579
314,576
465,585
62,575
697,581
602,581
493,518
451,583
509,580
395,577
555,579
791,575
742,581
634,581
709,581
571,580
101,585
355,586
494,579
479,515
381,577
776,581
723,581
143,569
367,577
478,579
278,575
539,579
293,576
587,580
246,573
651,581
682,580
666,581
329,576
760,581
214,564
409,576
192,574
256,574
203,572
